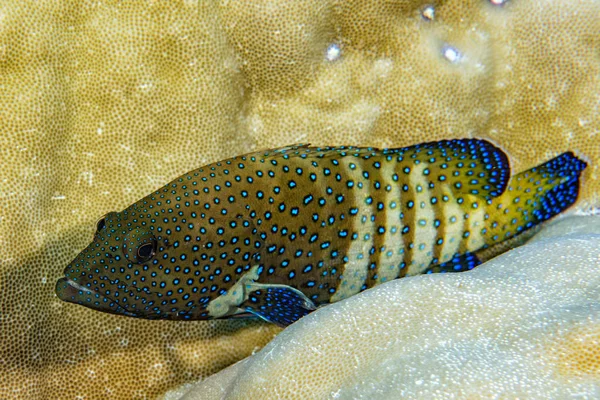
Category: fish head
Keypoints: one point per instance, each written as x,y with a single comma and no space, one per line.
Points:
161,266
120,271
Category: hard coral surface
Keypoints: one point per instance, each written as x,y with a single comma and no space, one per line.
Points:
524,325
102,102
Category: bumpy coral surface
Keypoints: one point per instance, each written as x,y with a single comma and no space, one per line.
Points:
102,102
526,325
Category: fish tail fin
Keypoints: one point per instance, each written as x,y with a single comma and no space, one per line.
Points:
536,195
566,170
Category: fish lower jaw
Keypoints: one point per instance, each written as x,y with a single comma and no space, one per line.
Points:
74,285
74,292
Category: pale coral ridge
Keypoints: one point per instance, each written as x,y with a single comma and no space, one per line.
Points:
103,102
525,324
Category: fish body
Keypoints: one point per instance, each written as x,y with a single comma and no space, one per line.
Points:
276,234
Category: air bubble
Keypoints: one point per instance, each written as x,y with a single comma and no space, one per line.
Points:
428,13
451,54
333,52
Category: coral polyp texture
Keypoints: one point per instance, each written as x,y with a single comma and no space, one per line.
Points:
103,102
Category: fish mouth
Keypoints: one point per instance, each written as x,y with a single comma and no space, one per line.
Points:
73,292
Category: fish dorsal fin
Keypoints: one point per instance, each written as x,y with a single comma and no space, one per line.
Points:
285,149
306,150
274,152
468,166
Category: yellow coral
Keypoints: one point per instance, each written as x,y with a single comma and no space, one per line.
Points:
102,102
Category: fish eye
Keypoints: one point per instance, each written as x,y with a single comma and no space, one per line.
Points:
101,224
146,251
139,246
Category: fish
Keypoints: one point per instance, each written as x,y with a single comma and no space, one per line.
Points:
277,234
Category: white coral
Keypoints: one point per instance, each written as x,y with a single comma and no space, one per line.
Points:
524,325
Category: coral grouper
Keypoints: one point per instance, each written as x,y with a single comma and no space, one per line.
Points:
276,234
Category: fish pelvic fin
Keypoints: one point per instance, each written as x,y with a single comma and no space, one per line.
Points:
535,195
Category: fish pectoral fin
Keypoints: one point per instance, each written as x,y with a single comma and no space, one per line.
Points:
241,314
279,304
458,263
